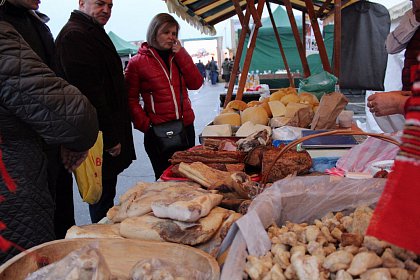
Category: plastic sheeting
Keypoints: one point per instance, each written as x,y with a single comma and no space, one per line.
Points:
297,199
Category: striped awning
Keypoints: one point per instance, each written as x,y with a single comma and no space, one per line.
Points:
204,14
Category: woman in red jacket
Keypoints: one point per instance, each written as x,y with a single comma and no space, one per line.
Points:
161,71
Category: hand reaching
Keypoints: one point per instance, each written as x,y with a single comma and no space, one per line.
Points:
71,159
387,103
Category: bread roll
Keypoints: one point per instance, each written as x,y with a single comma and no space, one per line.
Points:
290,98
227,110
256,115
308,98
253,103
237,105
228,118
278,95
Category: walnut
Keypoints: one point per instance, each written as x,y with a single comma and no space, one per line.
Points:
351,239
257,268
389,260
288,238
376,274
399,273
375,244
338,260
306,267
364,261
336,233
312,233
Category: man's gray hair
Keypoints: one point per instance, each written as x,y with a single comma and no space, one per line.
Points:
157,22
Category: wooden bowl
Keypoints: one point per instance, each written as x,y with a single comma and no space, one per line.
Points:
120,254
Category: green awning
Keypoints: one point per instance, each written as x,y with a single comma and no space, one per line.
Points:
123,47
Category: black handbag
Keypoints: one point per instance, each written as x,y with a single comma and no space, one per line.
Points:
171,136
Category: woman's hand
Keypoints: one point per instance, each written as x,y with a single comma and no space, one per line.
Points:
176,45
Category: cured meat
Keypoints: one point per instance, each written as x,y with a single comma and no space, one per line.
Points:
291,162
207,156
185,204
149,227
140,198
94,231
213,245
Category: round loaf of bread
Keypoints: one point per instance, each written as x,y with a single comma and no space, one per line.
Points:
290,98
228,118
256,115
308,98
237,105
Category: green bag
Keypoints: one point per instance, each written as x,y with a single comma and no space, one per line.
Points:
318,84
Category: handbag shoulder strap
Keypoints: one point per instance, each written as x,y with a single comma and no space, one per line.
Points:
180,90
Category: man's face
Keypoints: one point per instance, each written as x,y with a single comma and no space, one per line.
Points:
100,10
27,4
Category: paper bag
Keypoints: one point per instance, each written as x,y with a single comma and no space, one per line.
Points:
329,108
302,118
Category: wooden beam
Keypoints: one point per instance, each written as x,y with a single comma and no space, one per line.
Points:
255,16
298,41
304,32
337,38
283,55
318,36
238,56
250,51
322,9
240,14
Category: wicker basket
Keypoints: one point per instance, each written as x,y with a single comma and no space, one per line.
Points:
120,254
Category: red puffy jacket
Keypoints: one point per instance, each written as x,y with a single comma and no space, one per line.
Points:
146,74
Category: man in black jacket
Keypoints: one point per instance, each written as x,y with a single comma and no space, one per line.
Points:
87,58
37,110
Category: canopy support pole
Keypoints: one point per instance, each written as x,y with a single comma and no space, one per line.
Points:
298,41
241,17
250,49
283,55
318,36
337,38
238,56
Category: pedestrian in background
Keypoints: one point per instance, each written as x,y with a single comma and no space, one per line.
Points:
162,72
202,69
37,109
226,70
87,58
214,74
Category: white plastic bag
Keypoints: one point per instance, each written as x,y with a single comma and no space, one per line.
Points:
360,157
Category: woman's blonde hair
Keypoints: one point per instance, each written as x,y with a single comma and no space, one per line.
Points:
157,22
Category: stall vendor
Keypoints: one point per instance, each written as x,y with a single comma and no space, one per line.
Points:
397,216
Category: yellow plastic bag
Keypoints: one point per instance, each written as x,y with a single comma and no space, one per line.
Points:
89,173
